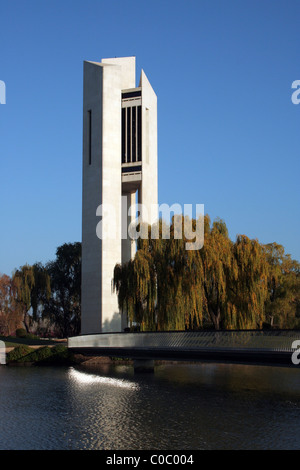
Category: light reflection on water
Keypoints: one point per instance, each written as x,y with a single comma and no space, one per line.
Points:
93,379
186,406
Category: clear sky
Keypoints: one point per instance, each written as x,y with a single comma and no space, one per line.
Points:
228,132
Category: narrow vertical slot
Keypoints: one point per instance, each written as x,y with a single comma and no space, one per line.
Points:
90,136
123,135
147,135
133,134
128,135
139,134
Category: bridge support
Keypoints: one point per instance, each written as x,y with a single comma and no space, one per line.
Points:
143,365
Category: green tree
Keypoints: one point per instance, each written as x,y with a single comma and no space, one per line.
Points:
223,284
219,273
10,314
24,280
32,287
283,302
248,289
160,288
40,292
179,277
135,283
64,305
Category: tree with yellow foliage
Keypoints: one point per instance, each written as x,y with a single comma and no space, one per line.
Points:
224,284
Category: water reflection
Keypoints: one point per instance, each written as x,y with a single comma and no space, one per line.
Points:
204,406
88,379
234,377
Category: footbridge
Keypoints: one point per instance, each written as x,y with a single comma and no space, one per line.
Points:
265,347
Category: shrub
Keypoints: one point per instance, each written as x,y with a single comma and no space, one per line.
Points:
60,355
45,355
37,355
19,352
21,333
59,348
31,336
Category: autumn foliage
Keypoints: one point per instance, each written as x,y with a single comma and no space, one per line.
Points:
226,284
223,285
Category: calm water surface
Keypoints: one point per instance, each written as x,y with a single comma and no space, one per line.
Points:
179,407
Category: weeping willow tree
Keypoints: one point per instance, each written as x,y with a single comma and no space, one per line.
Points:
283,302
179,271
219,271
24,282
135,283
10,315
40,291
32,284
249,291
223,285
161,288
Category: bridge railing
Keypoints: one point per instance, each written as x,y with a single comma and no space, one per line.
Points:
251,340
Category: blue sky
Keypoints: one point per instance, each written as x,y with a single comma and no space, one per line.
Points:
228,132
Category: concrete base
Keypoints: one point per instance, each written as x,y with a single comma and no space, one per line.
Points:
143,365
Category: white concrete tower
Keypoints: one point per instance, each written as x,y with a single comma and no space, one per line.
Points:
119,159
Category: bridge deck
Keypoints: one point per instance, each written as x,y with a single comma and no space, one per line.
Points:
252,346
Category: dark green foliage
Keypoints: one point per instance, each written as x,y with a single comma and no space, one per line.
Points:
63,307
21,333
19,352
42,356
31,336
59,355
37,355
50,293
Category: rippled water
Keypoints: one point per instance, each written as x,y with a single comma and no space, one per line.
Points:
179,407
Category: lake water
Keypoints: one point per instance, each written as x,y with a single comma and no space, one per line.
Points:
179,407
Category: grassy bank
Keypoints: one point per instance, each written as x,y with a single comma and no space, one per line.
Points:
35,351
12,341
23,354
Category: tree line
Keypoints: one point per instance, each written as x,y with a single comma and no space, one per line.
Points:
44,299
226,284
